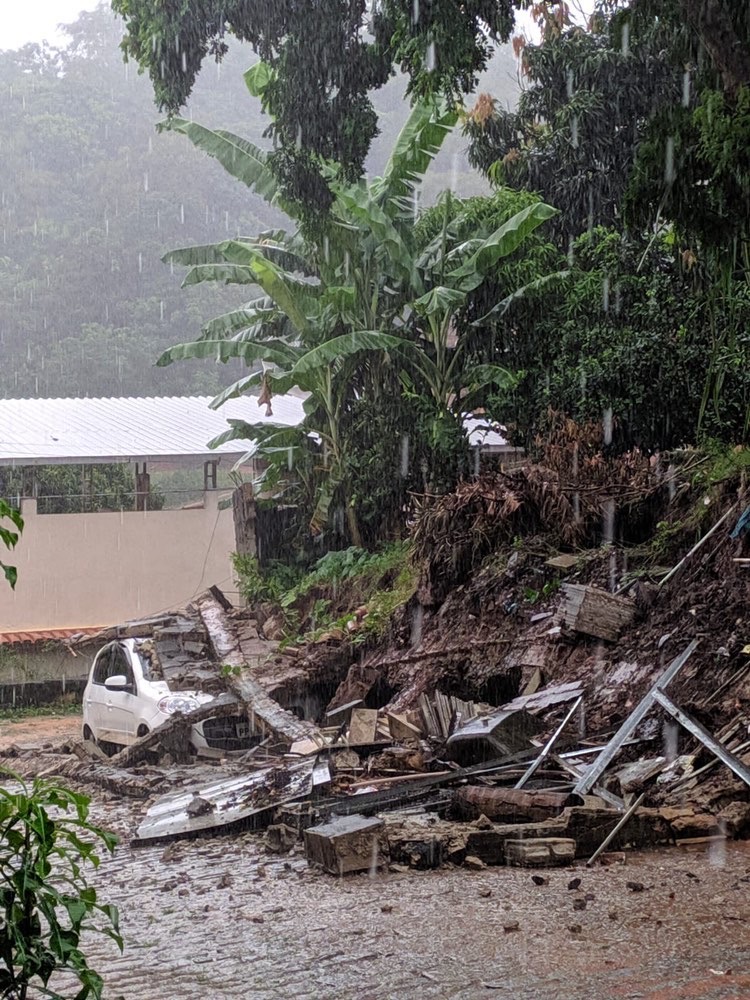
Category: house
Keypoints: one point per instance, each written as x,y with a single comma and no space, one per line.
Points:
90,569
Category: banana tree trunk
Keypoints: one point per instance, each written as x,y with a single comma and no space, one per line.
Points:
353,523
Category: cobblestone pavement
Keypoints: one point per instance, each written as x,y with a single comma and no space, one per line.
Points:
219,919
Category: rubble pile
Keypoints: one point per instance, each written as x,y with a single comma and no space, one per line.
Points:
553,706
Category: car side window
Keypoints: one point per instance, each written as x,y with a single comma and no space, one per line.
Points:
120,664
102,671
113,660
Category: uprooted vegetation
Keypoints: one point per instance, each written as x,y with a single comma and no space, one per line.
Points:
348,592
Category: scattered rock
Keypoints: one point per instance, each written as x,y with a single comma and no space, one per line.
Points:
386,908
539,880
635,886
574,883
575,928
483,823
485,893
474,863
510,926
579,904
735,818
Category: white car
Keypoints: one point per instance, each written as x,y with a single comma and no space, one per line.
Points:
126,697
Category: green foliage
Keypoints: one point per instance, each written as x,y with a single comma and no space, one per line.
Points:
62,489
9,537
47,904
339,567
384,602
323,61
257,585
54,709
632,332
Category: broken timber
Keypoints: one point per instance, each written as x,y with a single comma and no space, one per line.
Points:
595,612
266,713
173,736
510,804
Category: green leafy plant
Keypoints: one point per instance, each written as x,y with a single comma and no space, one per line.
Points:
9,537
46,902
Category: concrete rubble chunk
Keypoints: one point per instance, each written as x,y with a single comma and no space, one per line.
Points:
347,844
541,853
266,713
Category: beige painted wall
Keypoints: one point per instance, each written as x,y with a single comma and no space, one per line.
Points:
76,570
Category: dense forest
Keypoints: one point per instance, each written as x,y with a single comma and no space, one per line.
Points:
92,197
593,266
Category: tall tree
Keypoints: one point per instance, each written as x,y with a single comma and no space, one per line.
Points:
325,60
362,290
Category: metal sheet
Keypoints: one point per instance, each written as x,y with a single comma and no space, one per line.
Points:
553,695
228,800
59,431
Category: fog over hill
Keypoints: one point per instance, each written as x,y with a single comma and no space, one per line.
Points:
91,196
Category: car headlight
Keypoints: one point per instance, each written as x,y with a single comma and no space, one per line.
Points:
178,703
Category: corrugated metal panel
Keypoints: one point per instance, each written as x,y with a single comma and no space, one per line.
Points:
66,431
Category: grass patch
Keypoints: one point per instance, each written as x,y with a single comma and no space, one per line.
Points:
60,707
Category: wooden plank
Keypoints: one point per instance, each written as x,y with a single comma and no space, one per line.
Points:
401,728
595,612
363,726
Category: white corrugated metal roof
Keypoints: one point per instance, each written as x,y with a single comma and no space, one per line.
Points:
484,433
88,431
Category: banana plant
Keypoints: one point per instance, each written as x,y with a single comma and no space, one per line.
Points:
332,306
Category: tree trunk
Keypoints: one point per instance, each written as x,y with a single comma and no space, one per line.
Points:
355,533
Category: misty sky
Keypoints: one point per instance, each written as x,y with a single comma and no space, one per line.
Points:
35,20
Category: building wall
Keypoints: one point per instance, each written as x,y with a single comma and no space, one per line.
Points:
77,570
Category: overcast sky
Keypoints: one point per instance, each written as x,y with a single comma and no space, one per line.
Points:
24,21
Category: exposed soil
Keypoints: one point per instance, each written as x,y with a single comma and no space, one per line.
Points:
39,729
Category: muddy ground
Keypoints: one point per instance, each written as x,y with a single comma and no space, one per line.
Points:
220,918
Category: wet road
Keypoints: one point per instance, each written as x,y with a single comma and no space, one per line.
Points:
220,919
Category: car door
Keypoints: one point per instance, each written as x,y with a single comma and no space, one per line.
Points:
97,696
121,703
110,712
